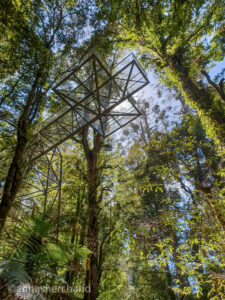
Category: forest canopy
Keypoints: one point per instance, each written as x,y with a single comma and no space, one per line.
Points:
112,159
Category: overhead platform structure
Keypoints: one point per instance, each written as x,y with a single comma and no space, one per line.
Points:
89,95
92,96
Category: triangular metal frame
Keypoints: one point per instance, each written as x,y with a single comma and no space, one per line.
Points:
90,94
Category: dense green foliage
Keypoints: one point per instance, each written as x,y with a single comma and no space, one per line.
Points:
142,211
180,40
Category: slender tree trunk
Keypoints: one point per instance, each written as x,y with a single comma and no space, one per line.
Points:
92,275
71,275
92,240
18,167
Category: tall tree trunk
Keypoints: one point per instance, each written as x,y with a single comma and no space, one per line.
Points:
92,240
18,167
92,275
71,275
200,98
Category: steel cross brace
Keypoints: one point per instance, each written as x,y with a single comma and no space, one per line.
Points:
91,96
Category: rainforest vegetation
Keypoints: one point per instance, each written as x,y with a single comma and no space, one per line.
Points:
139,214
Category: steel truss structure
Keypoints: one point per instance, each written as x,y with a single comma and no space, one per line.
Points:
92,96
43,186
89,95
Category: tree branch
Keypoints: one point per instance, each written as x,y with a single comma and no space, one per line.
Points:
219,88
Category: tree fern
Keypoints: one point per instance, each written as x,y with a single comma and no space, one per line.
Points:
35,260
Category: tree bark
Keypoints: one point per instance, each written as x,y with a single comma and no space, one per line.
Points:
71,275
200,97
91,281
18,167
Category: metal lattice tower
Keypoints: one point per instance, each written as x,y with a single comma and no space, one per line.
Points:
92,96
89,95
